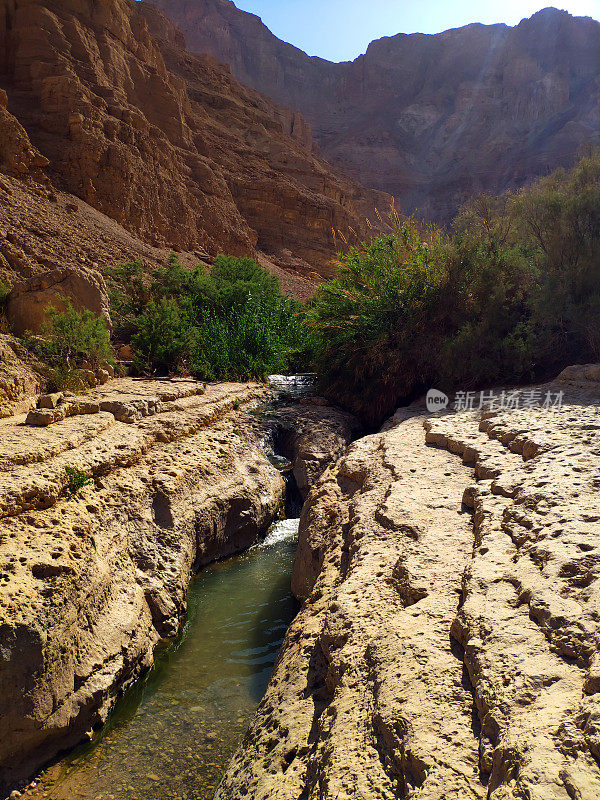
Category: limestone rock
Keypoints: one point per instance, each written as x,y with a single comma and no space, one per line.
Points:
42,417
430,119
19,382
29,299
168,143
17,155
439,654
90,582
313,436
50,400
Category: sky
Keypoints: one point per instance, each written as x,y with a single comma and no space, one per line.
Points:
340,30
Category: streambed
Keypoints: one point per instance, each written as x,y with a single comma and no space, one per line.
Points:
172,734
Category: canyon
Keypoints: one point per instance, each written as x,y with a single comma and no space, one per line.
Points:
431,119
447,640
109,123
91,578
447,568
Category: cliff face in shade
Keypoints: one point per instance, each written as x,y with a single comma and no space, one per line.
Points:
180,153
430,119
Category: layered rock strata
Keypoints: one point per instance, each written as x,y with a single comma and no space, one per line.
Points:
180,154
19,383
430,119
27,304
439,654
92,578
313,435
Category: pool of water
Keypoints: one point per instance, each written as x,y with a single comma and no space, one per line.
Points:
173,733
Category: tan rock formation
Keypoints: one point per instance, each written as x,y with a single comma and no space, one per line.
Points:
17,155
313,435
436,655
19,382
90,582
183,155
29,299
39,234
430,119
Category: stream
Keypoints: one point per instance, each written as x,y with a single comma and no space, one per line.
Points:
172,734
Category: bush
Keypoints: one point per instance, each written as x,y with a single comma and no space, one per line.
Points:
129,294
164,338
380,321
64,379
250,340
231,323
70,338
5,290
69,341
512,295
76,480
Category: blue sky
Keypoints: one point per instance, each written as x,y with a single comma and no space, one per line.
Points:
341,29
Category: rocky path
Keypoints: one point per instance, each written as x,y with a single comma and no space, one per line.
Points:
439,655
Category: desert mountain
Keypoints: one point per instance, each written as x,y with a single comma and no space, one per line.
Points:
103,102
430,119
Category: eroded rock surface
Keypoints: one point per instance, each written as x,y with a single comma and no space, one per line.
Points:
106,100
430,119
19,382
29,299
313,435
91,580
439,654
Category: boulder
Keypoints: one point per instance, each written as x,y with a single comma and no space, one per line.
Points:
30,298
50,400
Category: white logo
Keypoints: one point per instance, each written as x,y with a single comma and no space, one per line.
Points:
436,401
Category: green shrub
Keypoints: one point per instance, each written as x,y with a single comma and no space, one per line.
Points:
129,294
5,290
63,378
164,338
380,321
76,480
70,338
231,323
249,340
513,295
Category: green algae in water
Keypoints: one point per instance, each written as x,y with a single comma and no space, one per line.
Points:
173,733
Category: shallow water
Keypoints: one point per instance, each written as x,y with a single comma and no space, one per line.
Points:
293,387
172,734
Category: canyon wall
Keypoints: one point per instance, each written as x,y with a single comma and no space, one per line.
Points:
181,155
91,578
90,581
441,653
430,119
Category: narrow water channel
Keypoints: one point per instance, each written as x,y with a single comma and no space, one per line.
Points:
173,733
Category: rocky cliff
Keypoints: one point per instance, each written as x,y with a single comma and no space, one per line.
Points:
180,154
92,578
91,581
430,119
448,644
